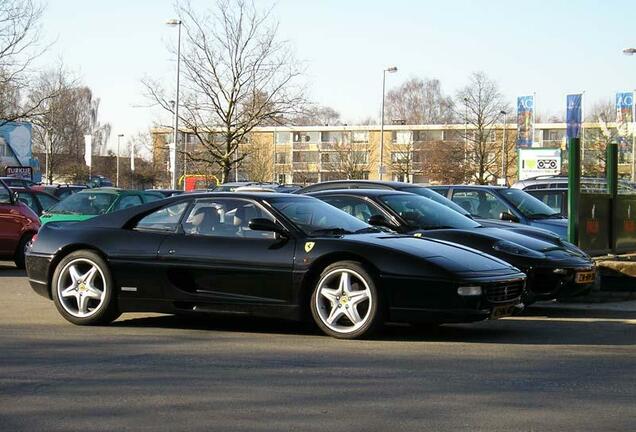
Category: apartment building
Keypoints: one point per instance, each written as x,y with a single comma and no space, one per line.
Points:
311,154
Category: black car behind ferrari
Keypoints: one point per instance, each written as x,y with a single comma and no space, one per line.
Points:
270,255
555,269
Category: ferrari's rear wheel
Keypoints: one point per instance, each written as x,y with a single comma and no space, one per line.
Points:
345,303
83,289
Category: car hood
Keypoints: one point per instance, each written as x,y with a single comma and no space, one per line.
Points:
451,256
55,217
557,226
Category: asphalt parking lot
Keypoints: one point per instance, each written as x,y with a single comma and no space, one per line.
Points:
550,370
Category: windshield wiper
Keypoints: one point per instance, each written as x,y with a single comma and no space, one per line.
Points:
369,229
330,231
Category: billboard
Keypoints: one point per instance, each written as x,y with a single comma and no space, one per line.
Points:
525,121
624,107
15,143
539,161
574,115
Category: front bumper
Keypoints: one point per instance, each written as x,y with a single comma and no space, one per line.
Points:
37,267
549,283
413,300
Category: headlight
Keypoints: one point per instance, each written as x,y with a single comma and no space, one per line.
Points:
516,249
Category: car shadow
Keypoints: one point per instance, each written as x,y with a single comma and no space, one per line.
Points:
8,269
525,330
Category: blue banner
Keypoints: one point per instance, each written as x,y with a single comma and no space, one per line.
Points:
573,116
624,107
525,121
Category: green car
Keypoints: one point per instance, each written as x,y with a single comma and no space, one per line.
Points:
94,202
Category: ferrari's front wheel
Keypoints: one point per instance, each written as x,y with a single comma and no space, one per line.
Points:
82,289
345,303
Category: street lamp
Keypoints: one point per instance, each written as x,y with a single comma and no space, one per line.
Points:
173,178
391,69
119,137
465,130
504,152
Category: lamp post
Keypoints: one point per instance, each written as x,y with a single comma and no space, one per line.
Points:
173,179
391,69
119,137
504,152
630,52
465,130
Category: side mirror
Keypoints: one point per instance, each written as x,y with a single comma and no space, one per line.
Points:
508,217
262,224
379,220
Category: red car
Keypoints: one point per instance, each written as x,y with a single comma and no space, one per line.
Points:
18,225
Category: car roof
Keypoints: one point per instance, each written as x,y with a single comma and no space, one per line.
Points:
358,192
492,187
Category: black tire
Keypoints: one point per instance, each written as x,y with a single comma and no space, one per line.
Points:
19,252
373,308
107,310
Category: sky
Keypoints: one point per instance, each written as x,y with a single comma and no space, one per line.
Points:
549,48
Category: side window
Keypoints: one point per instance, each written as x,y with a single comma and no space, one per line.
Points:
27,199
165,219
46,201
468,200
490,207
225,218
128,201
151,198
5,195
355,207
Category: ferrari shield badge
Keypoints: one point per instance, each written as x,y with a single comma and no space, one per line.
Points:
309,246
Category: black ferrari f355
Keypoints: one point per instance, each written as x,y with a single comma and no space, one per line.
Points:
261,254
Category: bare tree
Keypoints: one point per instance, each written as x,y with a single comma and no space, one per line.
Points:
443,162
480,105
237,75
19,47
67,116
345,159
597,139
318,116
258,164
406,160
419,101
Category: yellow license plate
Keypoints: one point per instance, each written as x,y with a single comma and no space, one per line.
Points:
502,311
584,277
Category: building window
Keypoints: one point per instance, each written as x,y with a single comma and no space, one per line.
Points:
428,135
282,157
283,137
401,137
305,156
359,137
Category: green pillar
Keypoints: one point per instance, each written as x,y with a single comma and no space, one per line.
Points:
611,171
574,188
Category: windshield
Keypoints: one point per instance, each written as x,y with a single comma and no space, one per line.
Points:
424,213
94,203
429,193
315,217
528,205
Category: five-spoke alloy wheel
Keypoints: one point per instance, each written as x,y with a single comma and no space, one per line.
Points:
345,302
82,289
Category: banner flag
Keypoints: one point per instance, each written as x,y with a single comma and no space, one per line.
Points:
624,107
525,121
88,150
574,115
132,156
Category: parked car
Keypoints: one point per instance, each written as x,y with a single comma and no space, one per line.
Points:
99,181
93,202
426,192
18,224
60,191
268,255
555,269
37,201
553,190
166,193
17,182
232,186
506,204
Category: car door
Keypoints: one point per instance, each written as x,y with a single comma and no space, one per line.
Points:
11,222
218,259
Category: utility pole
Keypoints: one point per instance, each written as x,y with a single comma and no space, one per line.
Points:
391,69
119,137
